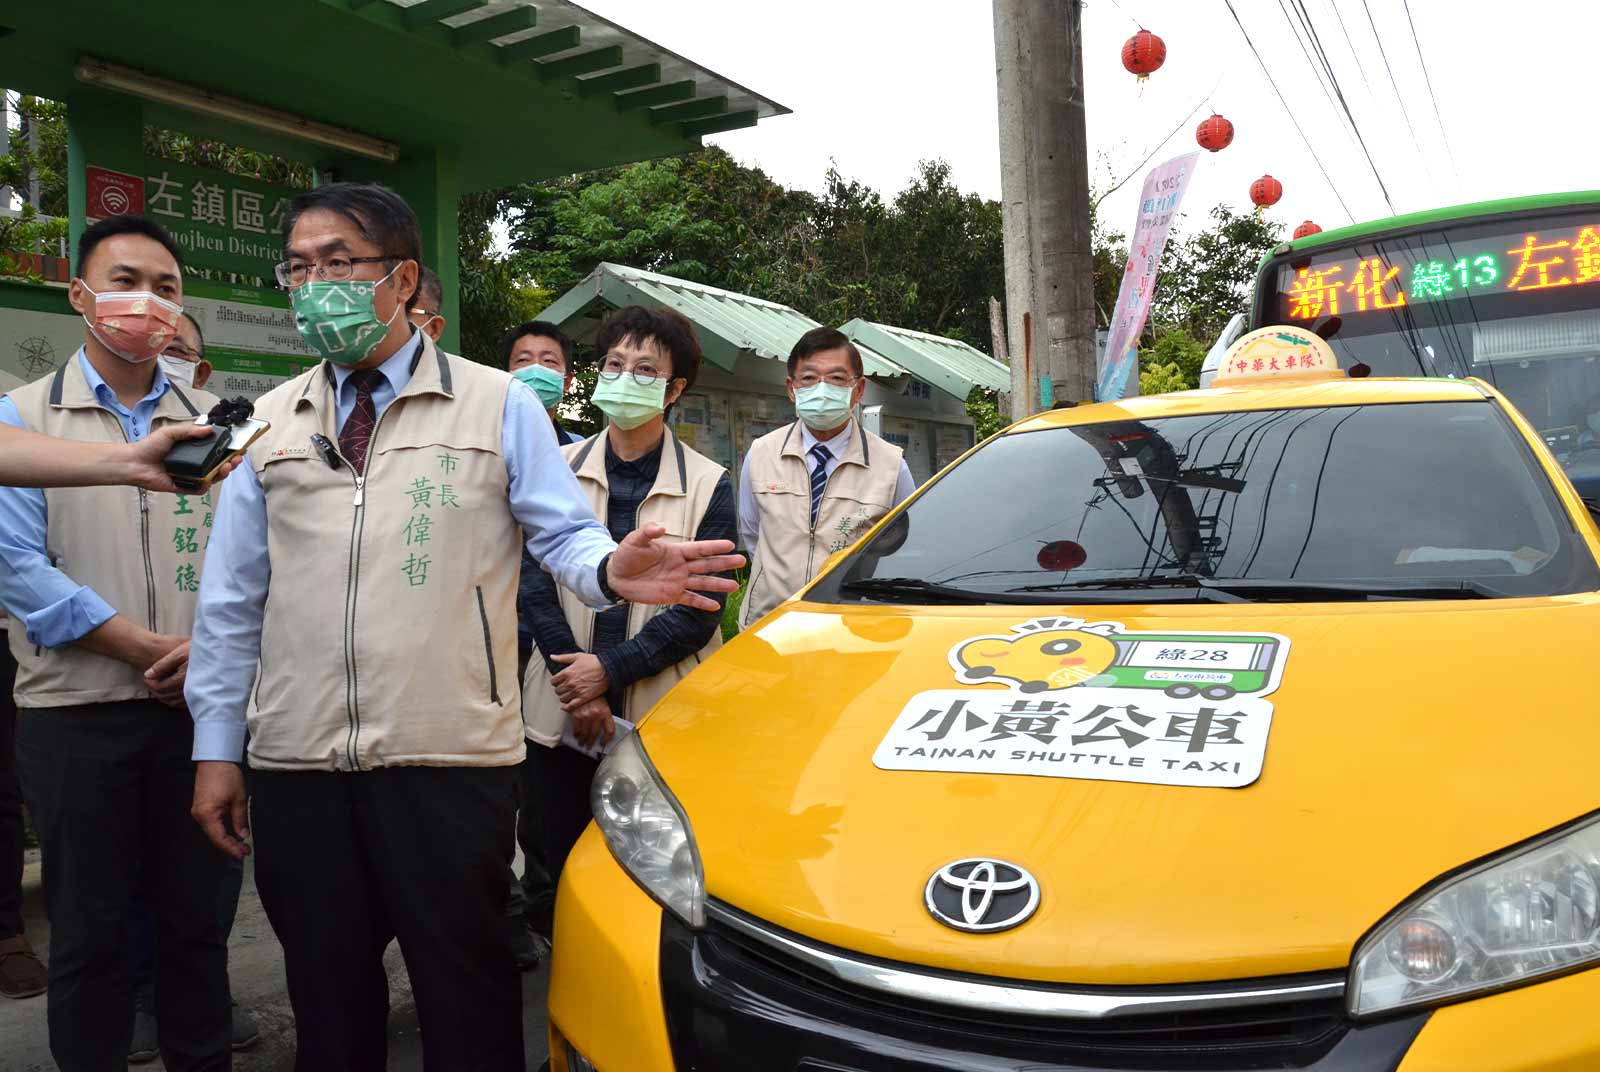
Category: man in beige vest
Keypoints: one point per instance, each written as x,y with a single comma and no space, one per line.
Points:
359,616
101,585
591,669
811,488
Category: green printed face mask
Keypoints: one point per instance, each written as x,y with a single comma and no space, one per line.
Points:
547,383
337,319
628,402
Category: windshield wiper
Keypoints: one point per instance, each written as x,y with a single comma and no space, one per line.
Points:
1194,586
1244,590
915,588
1337,590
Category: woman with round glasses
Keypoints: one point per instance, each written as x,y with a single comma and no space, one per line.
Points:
599,669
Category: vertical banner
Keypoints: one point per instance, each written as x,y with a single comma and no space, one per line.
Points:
1158,207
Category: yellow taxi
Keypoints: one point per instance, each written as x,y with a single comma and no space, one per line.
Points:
1244,728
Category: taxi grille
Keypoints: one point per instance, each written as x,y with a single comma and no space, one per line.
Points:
729,995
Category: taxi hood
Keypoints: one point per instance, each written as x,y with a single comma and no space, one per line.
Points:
833,759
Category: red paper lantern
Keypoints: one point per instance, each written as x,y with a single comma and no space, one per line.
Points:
1143,54
1214,133
1306,229
1265,191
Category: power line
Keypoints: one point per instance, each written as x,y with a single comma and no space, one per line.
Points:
1399,98
1429,80
1290,112
1345,105
1130,18
1316,67
1320,65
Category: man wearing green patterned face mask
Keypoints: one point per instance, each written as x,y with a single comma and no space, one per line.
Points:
361,633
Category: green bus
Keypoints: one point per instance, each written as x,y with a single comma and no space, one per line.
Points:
1507,291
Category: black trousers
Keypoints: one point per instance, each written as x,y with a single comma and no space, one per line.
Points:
347,862
142,924
560,786
533,897
109,787
10,800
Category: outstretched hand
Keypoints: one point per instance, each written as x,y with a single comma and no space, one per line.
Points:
646,569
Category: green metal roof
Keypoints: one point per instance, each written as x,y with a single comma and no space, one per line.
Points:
510,90
952,366
730,324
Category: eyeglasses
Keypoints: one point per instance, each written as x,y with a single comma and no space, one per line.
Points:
181,352
292,274
644,373
426,314
835,379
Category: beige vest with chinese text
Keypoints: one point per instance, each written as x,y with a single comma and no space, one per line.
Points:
390,631
140,551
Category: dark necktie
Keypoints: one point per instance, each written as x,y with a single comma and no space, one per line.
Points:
357,431
819,477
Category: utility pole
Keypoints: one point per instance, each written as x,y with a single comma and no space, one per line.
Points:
1044,190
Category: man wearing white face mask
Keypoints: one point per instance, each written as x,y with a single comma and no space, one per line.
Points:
812,487
184,359
101,584
430,298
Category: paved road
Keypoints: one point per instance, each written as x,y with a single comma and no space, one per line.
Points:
256,972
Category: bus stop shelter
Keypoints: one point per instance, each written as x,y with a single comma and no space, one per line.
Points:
434,98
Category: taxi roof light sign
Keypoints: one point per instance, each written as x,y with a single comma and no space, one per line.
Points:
1280,352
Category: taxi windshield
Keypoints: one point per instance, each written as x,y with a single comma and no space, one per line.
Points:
1403,500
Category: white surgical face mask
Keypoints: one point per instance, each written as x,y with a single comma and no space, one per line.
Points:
178,370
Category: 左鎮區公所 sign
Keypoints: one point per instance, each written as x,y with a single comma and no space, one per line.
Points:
1089,700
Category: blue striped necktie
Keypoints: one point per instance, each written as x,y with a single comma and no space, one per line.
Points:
819,477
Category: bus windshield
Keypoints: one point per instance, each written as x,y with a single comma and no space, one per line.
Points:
1513,301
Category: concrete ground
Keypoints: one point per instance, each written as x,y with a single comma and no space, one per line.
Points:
256,972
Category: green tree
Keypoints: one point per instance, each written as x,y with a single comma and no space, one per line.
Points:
1160,379
1207,276
1175,349
493,298
48,163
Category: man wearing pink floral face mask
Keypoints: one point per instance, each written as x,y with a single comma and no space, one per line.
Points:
101,585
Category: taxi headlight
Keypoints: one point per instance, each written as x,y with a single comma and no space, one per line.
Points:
1530,912
648,831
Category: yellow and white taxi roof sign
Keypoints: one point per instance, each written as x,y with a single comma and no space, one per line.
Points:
1278,352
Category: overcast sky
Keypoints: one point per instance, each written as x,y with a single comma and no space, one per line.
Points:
877,85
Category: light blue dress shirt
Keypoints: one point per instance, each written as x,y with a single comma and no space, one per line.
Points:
562,532
54,608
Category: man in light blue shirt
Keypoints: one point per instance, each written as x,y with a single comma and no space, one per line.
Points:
101,584
360,605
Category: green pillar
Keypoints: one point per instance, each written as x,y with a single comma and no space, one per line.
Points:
104,130
427,180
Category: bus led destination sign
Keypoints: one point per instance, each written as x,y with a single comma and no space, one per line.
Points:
1438,267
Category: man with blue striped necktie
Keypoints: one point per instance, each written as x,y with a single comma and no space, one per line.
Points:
814,486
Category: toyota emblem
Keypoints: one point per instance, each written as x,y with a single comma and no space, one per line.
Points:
981,894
